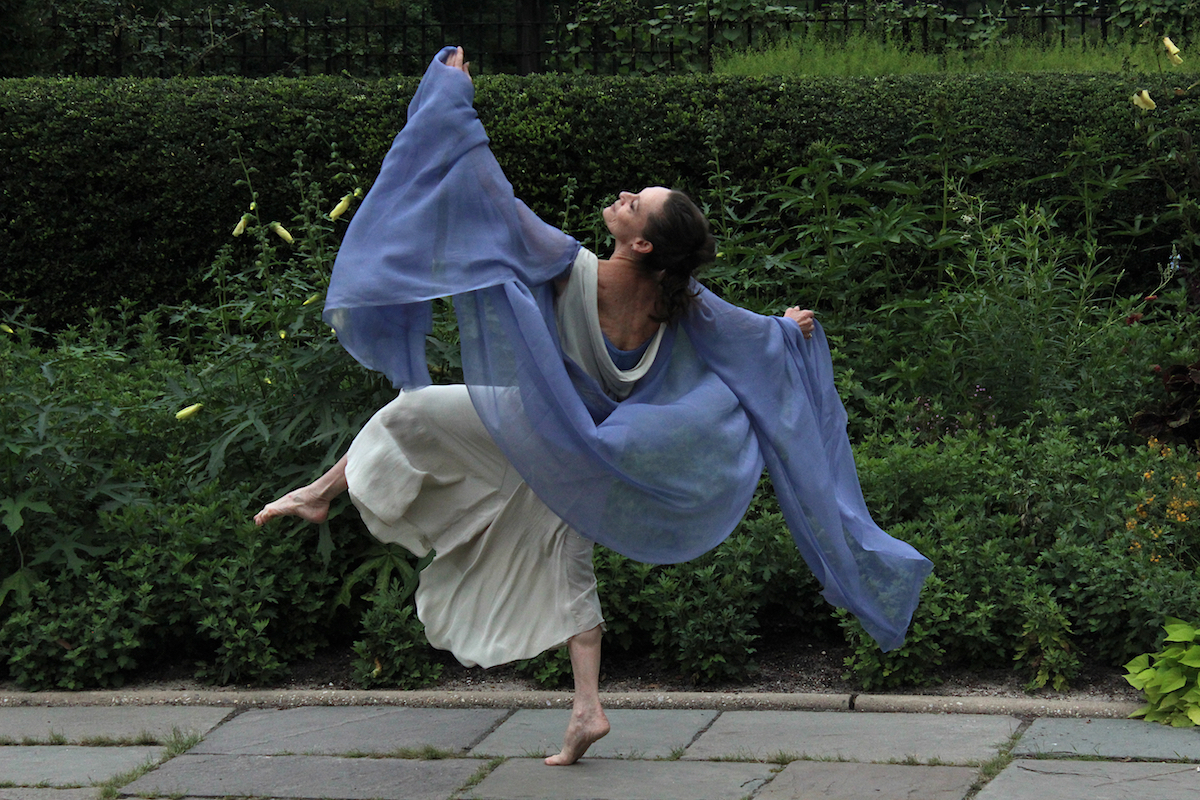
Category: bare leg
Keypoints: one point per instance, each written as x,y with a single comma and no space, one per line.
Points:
308,502
588,723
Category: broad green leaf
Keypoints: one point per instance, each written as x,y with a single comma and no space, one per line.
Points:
1139,680
20,583
1173,679
1194,714
1192,657
1141,712
1180,632
1138,664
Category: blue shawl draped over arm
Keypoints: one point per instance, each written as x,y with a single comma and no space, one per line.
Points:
662,476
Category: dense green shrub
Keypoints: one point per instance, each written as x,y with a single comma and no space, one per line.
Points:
990,392
126,187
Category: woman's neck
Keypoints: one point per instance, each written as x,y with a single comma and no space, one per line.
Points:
626,299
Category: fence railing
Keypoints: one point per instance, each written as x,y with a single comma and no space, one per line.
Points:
379,43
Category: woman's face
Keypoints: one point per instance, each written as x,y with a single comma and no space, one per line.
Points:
626,218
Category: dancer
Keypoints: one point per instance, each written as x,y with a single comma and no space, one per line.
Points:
612,401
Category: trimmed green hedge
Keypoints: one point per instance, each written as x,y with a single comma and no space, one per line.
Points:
127,187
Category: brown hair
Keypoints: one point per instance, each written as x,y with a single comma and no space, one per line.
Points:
682,245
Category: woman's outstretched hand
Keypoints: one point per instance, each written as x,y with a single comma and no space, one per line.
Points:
458,61
802,317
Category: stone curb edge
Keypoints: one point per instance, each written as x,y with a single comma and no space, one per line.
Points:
746,701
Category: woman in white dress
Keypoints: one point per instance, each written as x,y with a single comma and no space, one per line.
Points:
510,579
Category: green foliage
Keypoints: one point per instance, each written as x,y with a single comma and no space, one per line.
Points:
1046,648
998,352
392,650
82,632
176,170
1171,682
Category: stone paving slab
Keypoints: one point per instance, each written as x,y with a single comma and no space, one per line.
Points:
342,730
22,793
1109,738
68,765
1054,779
825,780
119,723
615,779
947,738
635,733
307,776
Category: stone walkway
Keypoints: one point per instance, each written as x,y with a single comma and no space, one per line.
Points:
422,746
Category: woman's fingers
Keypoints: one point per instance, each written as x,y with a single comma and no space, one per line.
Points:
802,317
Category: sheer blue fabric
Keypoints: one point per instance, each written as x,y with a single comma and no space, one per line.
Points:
662,476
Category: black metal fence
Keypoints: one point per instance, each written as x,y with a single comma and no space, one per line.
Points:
379,43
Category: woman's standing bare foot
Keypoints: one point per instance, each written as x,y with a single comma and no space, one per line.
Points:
308,502
588,723
587,727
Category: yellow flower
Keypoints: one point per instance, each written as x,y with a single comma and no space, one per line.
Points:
190,411
283,334
1142,100
5,328
1171,48
1174,59
311,300
340,208
281,232
240,228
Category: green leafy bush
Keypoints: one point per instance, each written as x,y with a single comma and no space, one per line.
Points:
1171,682
83,632
392,650
176,167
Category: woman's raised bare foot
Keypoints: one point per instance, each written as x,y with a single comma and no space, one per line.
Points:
304,502
585,729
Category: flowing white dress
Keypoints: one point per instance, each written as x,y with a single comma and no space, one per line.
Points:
509,578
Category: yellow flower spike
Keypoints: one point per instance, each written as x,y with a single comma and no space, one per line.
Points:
240,228
190,411
1171,48
311,300
1174,59
5,328
1142,100
281,232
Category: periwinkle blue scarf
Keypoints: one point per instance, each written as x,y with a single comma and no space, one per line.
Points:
662,476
